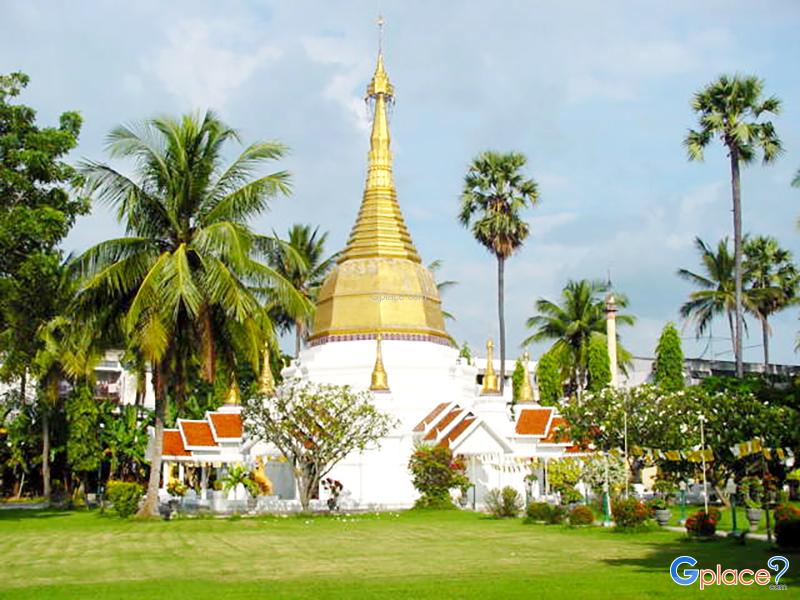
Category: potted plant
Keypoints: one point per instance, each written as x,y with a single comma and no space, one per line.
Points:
660,509
752,491
702,524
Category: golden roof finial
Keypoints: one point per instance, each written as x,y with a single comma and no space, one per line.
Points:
266,382
233,396
490,383
525,390
380,381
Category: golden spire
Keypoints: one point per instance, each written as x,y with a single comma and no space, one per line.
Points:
525,390
380,381
490,383
233,397
266,382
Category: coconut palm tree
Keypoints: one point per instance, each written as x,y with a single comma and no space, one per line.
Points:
796,180
771,270
301,260
729,108
181,283
442,286
717,293
495,193
573,322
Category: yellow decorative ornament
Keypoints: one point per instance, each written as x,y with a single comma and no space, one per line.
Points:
260,478
491,384
234,396
525,390
266,382
379,284
380,381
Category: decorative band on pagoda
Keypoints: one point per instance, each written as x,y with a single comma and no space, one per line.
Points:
405,337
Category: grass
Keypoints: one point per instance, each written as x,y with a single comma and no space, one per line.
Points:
725,521
417,554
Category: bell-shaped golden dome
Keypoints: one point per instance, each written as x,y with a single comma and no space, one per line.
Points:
379,285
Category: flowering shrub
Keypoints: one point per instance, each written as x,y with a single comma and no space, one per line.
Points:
176,488
702,524
581,515
630,513
786,512
505,503
657,503
124,496
434,472
334,488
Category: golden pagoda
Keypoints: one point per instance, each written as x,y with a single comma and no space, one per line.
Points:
525,390
490,382
380,381
379,285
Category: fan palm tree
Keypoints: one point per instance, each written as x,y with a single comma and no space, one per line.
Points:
301,260
729,108
441,286
772,271
717,293
182,284
495,193
572,324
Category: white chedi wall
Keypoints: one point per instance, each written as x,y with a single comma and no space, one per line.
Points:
421,375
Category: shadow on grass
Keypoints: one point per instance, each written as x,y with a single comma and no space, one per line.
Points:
24,514
726,552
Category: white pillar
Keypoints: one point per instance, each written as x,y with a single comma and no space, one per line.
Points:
165,466
203,482
180,472
611,337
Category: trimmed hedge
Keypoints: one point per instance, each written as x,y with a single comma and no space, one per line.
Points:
543,512
124,496
581,515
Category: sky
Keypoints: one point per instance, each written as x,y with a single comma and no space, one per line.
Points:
595,94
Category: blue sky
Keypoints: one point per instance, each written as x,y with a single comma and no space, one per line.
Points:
595,94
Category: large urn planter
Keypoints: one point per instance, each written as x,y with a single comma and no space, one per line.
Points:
663,516
754,516
218,501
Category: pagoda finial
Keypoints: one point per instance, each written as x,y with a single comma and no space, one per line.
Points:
525,390
266,382
233,397
381,21
380,381
490,383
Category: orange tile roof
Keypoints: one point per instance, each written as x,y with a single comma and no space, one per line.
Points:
554,436
431,416
173,444
533,421
226,425
448,418
457,430
197,433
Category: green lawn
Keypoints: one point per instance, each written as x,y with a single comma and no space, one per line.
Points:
725,522
409,555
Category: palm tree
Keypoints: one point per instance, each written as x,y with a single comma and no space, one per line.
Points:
729,108
441,286
717,293
495,193
180,284
300,260
796,180
770,269
573,322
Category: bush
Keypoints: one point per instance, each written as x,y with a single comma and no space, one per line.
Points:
655,504
581,515
786,512
701,524
787,532
629,513
505,503
435,503
434,472
124,496
545,513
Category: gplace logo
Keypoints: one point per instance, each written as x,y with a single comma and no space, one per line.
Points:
718,576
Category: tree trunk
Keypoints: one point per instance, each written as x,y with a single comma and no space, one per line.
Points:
150,506
46,454
737,253
307,483
23,383
765,338
733,334
298,337
501,262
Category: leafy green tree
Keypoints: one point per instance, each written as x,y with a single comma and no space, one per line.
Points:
301,260
599,364
315,426
549,379
573,322
563,475
124,439
443,285
717,293
668,366
729,109
771,270
84,448
495,194
796,180
36,213
184,284
517,377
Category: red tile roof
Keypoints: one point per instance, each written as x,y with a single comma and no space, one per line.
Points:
557,433
457,430
533,421
197,433
429,419
227,425
173,444
448,418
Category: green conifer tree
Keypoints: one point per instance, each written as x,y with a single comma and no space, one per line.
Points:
668,368
599,366
548,379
